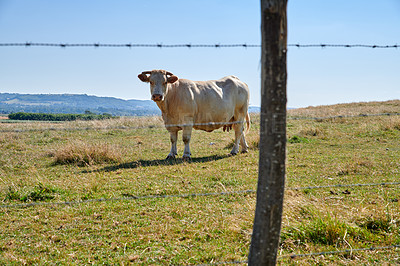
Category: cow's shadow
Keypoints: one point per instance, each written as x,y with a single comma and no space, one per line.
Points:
164,162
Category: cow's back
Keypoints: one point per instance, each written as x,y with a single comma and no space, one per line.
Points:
217,100
236,89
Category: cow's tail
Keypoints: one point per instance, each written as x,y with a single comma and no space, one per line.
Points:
247,123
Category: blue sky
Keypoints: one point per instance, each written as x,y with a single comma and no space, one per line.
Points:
316,76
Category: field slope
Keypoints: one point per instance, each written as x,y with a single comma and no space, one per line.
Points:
115,197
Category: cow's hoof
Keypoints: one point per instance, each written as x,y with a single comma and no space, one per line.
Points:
232,153
170,157
244,151
186,158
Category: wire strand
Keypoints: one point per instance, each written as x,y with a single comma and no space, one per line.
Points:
189,45
190,195
293,256
180,125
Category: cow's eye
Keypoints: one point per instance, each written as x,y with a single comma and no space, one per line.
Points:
151,82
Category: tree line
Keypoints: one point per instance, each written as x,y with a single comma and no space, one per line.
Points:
58,117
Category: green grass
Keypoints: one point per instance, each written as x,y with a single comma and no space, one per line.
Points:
37,193
75,165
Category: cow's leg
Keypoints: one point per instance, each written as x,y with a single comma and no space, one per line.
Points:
243,144
187,133
238,137
174,138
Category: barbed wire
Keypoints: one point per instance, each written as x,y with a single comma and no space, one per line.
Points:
204,124
293,256
189,45
118,127
24,130
343,46
342,116
132,45
191,195
221,263
344,185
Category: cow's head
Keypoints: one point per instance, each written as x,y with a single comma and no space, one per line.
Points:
159,80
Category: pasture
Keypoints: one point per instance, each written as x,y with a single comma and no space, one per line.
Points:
105,160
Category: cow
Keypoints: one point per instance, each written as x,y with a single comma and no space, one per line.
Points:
202,105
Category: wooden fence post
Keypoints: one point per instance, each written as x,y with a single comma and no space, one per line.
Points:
271,177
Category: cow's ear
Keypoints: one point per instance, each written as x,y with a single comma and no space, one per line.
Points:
143,77
172,79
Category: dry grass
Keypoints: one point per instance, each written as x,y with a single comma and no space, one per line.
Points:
81,153
393,123
123,122
392,106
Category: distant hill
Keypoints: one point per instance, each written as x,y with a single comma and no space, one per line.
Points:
78,104
74,103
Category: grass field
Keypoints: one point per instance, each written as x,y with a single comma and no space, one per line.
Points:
105,160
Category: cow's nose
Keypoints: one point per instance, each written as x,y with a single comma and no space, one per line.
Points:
157,97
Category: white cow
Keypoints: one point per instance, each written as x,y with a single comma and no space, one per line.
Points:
203,105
